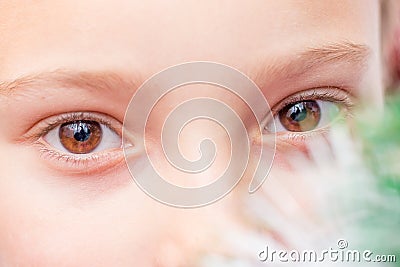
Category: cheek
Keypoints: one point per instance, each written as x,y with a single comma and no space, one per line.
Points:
51,220
47,221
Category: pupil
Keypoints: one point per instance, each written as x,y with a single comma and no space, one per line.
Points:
81,132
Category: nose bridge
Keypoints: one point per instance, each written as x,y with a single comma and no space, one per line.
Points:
11,165
3,160
5,149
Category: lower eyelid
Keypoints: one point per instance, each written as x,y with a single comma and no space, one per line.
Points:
301,136
297,141
71,164
297,137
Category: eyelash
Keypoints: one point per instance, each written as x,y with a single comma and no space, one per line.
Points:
336,95
52,122
74,161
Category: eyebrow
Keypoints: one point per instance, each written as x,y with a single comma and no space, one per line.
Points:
292,66
313,58
90,81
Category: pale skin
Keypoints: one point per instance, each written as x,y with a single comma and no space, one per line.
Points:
55,214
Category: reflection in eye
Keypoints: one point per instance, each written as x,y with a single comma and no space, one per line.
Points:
80,137
300,116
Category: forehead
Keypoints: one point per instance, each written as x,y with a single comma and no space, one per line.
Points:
150,35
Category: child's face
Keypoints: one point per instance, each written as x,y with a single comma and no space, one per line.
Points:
82,60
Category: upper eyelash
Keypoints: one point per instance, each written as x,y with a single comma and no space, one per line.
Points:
71,117
322,93
58,120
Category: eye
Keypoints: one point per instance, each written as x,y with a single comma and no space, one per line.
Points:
306,116
309,111
85,142
82,137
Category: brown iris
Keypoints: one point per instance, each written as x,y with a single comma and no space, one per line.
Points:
300,116
80,137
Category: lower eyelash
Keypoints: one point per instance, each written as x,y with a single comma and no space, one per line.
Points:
94,162
302,136
297,137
